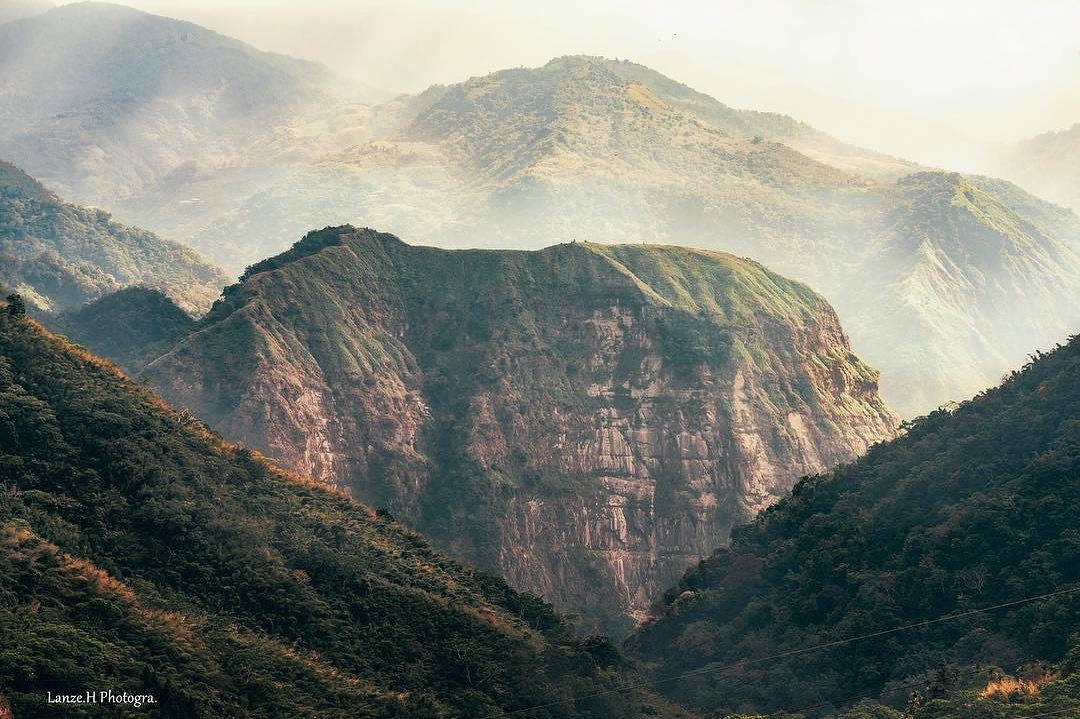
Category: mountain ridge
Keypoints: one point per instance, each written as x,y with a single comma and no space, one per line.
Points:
684,389
140,550
60,256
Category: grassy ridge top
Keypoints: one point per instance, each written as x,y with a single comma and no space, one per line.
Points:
692,280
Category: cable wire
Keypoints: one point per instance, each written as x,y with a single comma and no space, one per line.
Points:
791,653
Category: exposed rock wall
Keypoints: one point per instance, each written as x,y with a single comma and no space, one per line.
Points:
586,421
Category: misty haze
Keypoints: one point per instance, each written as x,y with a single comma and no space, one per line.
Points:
569,359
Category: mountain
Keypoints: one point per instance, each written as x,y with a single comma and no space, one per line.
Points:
971,508
610,151
586,420
583,147
968,272
104,103
1046,165
60,256
15,9
142,554
133,326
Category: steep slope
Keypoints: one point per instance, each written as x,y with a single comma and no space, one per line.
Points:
972,508
105,104
585,420
132,326
610,151
1047,165
140,553
61,256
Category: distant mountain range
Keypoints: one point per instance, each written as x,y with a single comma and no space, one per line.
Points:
105,103
61,256
238,152
140,553
1048,164
972,508
586,420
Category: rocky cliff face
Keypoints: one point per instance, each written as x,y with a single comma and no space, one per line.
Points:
585,420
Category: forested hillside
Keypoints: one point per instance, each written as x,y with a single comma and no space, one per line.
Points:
974,507
60,256
140,553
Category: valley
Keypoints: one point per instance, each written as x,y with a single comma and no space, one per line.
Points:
593,396
585,420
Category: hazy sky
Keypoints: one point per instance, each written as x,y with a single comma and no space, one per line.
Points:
930,79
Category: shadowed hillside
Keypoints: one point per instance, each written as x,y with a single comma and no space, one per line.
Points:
141,553
586,420
971,508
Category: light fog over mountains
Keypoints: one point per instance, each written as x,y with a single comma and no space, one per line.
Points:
474,359
942,84
943,281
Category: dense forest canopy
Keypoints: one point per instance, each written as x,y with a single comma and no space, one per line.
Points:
973,507
140,552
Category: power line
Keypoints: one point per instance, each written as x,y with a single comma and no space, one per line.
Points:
848,700
1073,708
792,653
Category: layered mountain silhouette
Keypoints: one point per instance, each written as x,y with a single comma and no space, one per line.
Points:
973,508
635,374
60,256
105,103
140,552
586,420
237,153
1047,165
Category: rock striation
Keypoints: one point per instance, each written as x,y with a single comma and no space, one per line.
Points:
586,420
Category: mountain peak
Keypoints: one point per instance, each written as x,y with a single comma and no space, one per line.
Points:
436,382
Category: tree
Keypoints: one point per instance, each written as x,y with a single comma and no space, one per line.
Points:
16,306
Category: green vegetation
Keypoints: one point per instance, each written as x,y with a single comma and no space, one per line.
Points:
496,400
59,256
943,297
132,326
140,552
971,508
